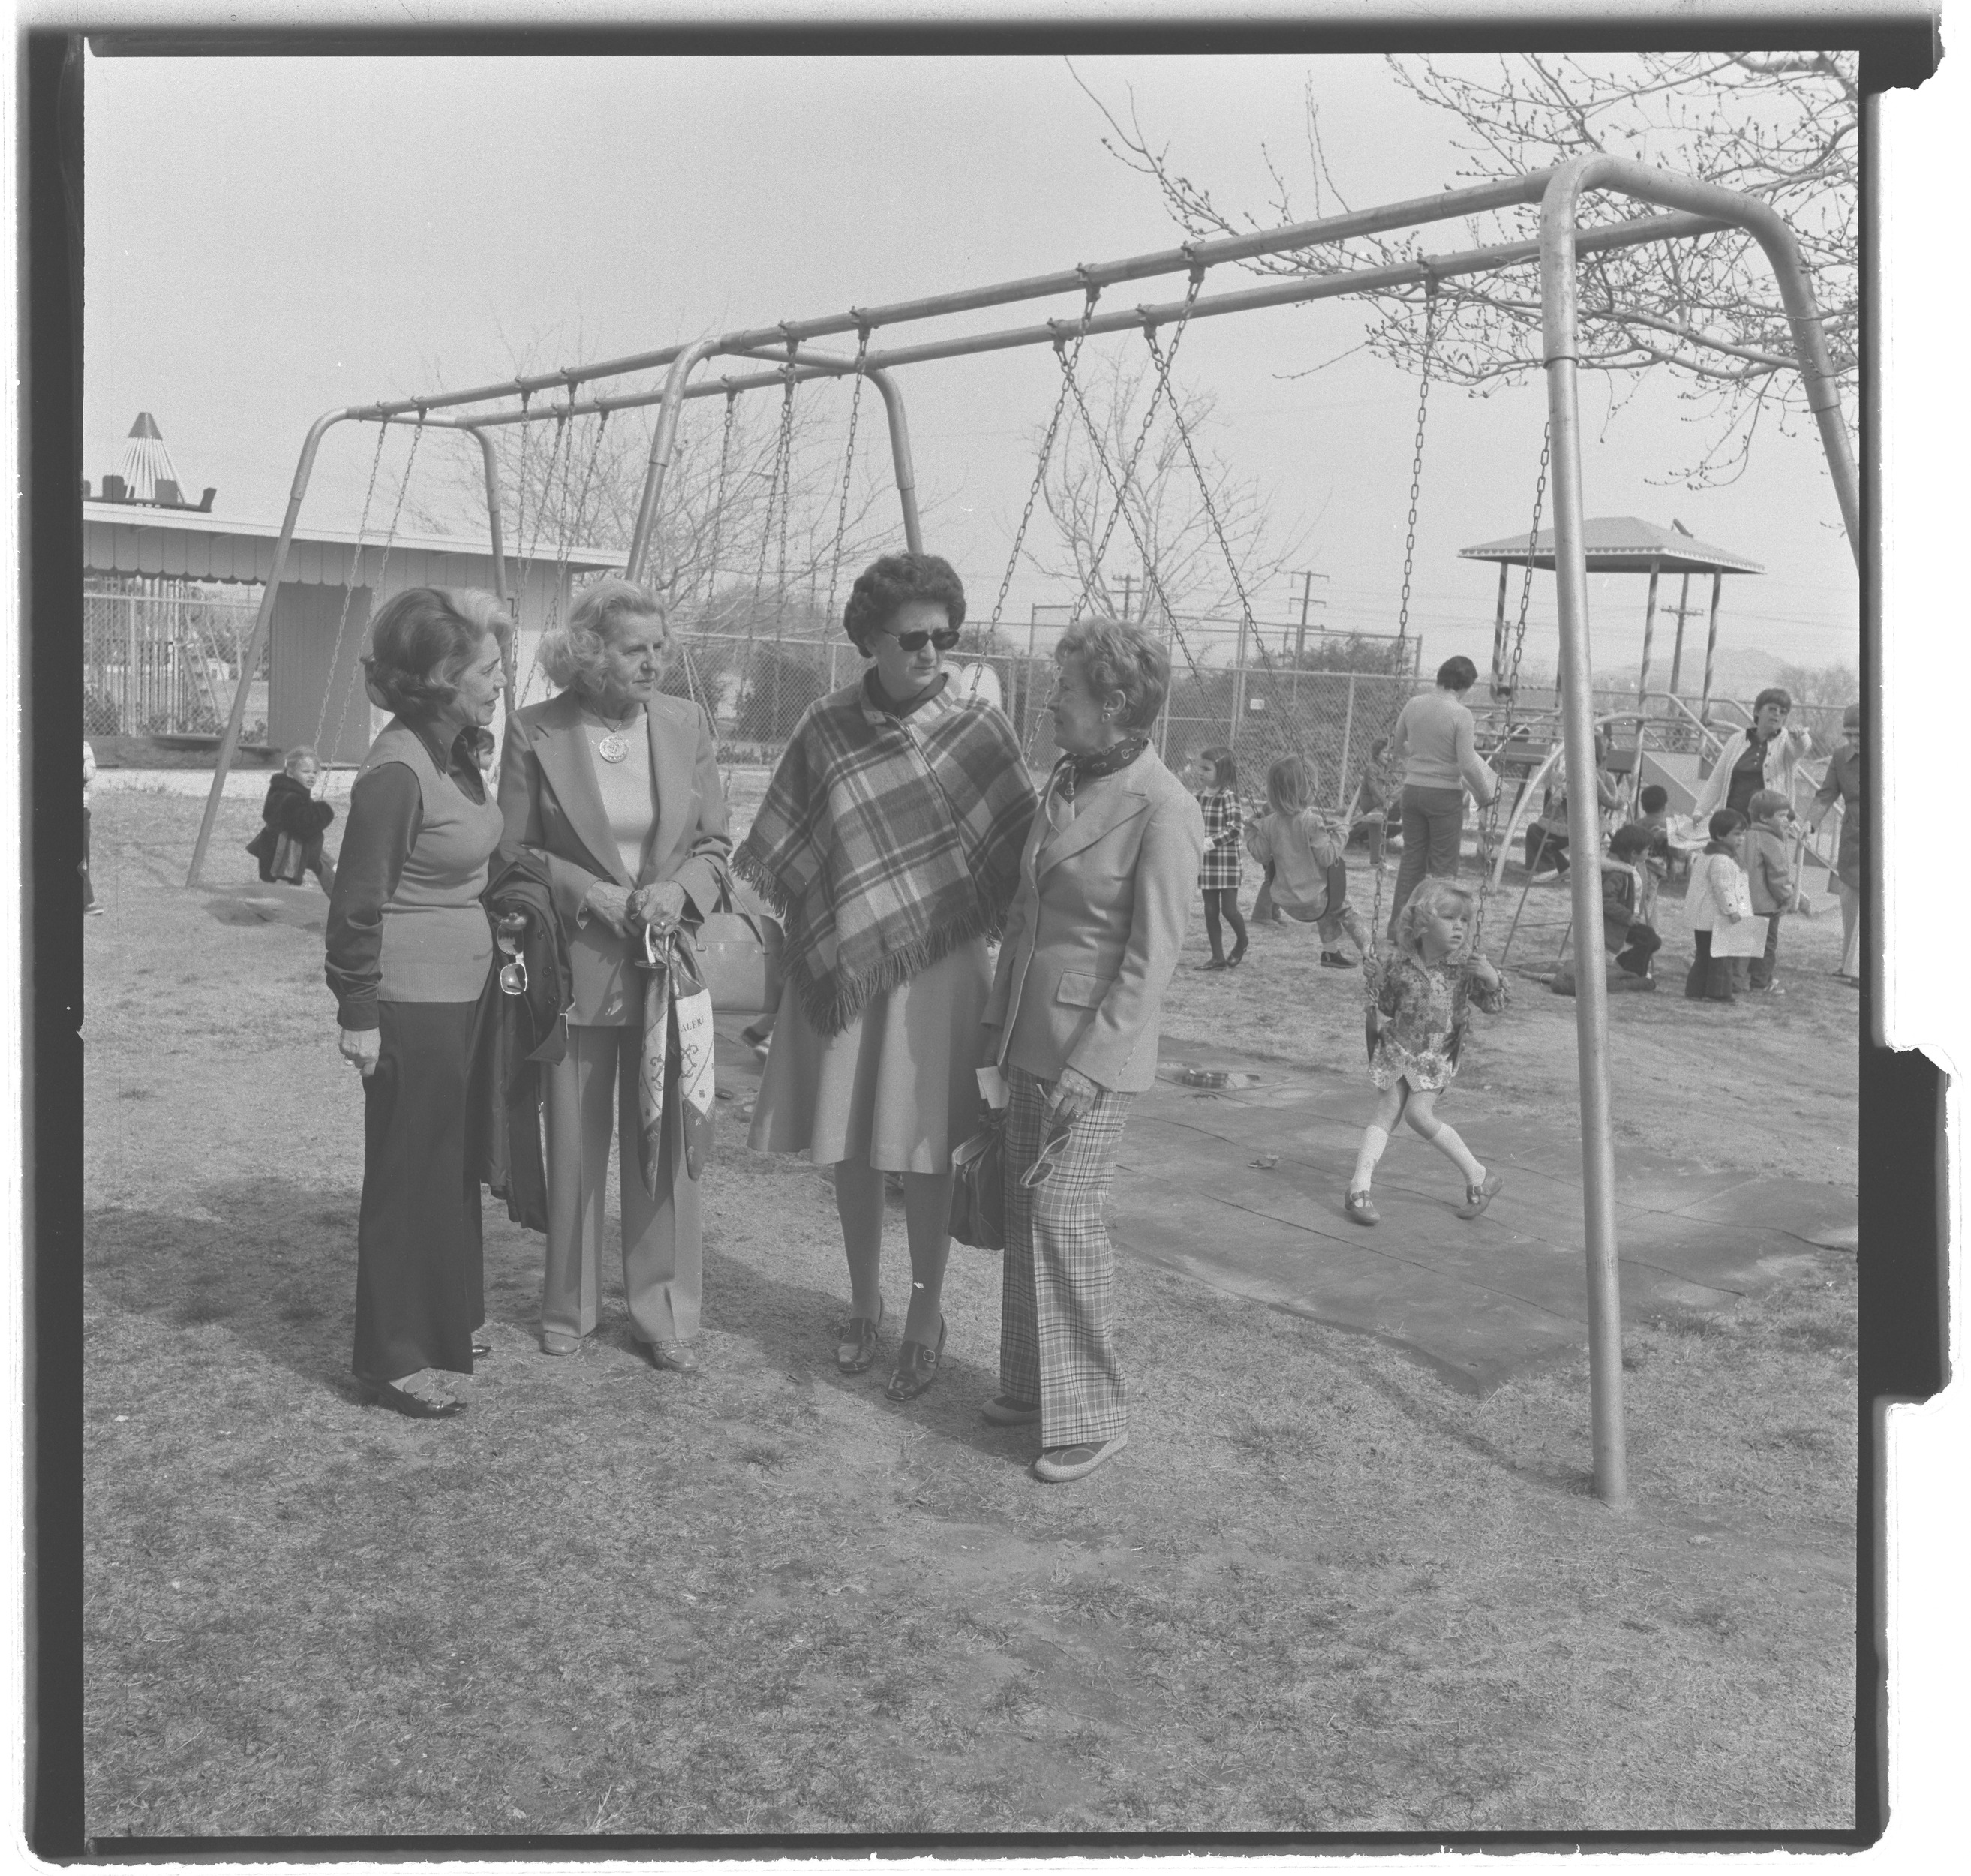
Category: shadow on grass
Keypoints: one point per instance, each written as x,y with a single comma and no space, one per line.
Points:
273,1263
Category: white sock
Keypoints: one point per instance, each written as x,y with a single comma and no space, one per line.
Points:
1446,1141
1374,1140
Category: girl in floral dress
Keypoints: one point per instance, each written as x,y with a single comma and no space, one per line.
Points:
1419,1005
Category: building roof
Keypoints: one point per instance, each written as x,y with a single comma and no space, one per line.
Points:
182,543
1620,543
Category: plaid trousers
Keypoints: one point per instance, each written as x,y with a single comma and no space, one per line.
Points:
1057,1338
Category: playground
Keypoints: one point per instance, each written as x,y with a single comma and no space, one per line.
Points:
1544,1521
1332,1585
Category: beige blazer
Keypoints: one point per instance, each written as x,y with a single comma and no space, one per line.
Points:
1093,937
552,804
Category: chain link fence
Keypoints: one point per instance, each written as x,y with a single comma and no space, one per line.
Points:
166,664
756,689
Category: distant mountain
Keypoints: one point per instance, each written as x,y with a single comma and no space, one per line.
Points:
1737,671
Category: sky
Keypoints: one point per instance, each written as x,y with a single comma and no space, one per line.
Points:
269,239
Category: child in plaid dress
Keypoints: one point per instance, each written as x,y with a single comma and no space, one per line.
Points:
1419,1006
1218,872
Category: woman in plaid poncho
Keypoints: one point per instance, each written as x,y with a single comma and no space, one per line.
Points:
889,843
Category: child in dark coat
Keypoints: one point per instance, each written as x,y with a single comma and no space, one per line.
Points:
1769,872
1628,898
289,846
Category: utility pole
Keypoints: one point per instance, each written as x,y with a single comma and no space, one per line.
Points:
1128,586
1307,599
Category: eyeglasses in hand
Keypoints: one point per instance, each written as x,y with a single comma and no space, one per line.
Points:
507,935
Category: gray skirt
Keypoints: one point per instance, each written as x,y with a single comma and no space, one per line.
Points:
897,1089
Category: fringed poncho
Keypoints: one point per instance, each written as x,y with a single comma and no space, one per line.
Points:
885,843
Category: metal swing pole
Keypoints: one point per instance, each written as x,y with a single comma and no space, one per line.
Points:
229,740
1558,293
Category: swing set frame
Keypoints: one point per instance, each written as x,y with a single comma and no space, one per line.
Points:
786,354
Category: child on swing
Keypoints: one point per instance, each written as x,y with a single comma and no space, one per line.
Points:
1419,1006
1302,848
289,847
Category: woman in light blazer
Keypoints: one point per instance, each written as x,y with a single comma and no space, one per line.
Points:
616,786
1090,945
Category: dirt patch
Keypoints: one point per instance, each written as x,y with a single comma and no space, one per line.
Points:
1319,1591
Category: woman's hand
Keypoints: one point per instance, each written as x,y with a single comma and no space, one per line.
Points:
364,1048
659,906
1074,1094
610,903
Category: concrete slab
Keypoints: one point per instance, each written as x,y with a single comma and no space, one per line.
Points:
1476,1301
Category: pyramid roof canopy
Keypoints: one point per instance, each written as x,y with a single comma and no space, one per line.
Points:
146,461
1620,543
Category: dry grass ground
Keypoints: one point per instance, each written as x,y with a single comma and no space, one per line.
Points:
1320,1591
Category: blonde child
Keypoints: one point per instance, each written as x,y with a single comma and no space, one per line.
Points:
1718,907
1768,863
1419,1007
288,847
1218,872
1304,846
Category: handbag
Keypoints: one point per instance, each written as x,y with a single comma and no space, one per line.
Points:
978,1183
738,958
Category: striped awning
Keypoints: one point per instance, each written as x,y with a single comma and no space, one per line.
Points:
146,461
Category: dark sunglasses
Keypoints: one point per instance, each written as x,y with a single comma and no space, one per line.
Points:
944,638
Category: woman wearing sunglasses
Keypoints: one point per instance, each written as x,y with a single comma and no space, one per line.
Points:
1106,885
616,786
888,842
409,957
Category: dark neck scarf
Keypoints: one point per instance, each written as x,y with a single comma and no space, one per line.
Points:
1071,770
872,688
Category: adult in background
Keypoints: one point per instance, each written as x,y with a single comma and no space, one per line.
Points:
616,786
1434,739
1765,756
90,904
889,843
1091,943
1375,795
409,956
1844,784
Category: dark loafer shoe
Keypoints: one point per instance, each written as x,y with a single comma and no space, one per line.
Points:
481,1348
412,1406
1005,1412
916,1368
679,1357
856,1342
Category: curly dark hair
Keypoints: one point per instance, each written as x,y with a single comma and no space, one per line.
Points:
1456,673
424,630
885,587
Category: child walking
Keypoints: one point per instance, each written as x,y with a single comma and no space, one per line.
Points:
1419,1006
1768,861
289,846
1303,847
1719,907
1218,872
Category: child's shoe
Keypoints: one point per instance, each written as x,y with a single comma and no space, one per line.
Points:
1337,960
1479,1196
1362,1208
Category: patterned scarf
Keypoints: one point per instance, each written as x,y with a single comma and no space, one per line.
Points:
1082,769
884,847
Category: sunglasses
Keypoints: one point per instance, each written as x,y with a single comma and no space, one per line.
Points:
944,638
507,936
1043,1167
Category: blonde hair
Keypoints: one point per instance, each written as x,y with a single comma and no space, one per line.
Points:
1291,784
1433,896
301,752
571,654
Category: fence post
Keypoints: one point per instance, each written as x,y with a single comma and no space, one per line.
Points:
130,701
1347,725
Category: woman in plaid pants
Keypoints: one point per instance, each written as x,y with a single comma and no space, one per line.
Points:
1090,945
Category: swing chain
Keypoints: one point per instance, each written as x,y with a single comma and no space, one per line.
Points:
1416,457
1161,390
1526,585
718,508
1040,477
848,467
